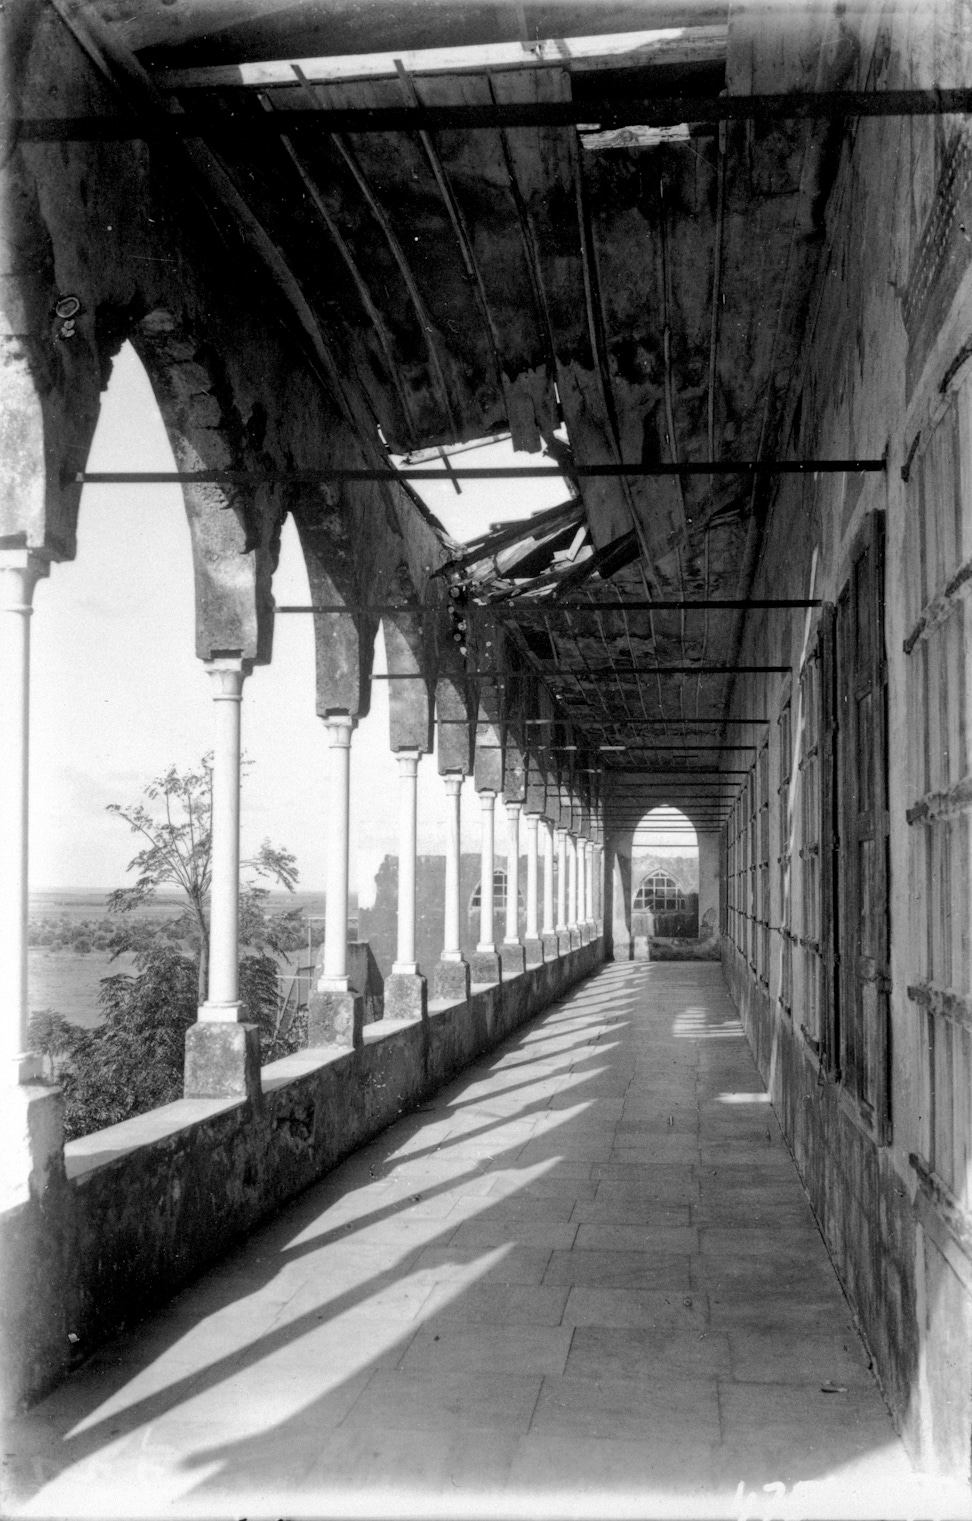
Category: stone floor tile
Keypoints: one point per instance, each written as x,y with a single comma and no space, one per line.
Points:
503,1264
621,1269
446,1401
394,1467
788,1433
685,1411
610,1236
644,1471
496,1304
494,1348
600,1352
815,1357
636,1307
484,1231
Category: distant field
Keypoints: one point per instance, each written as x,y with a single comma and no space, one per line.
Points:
67,980
69,983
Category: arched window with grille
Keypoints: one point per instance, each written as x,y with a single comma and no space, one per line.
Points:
499,893
660,894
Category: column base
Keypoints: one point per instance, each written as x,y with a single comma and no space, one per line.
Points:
512,958
563,942
31,1141
222,1060
406,996
551,946
451,979
574,937
584,931
336,1019
533,950
485,966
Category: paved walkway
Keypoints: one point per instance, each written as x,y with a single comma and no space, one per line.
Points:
584,1280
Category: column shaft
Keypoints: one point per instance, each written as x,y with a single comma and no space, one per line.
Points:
335,969
451,950
549,927
571,883
512,935
19,573
532,925
486,938
407,844
223,993
561,881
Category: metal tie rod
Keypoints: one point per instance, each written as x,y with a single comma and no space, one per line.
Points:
619,111
715,604
463,473
665,670
541,610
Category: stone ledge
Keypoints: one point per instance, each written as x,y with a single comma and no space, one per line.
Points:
149,1204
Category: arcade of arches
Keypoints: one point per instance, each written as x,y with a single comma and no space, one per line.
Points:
710,267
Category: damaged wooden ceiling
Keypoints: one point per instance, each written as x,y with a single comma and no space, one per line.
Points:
646,300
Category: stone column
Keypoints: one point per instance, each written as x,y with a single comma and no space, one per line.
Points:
563,934
31,1113
573,929
335,1013
532,944
485,963
19,573
222,1053
581,852
548,932
591,908
406,995
588,889
512,955
450,978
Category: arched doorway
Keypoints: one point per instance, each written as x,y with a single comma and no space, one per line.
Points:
664,881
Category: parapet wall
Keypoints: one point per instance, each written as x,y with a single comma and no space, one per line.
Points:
144,1207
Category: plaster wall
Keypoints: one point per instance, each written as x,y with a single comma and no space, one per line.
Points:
871,381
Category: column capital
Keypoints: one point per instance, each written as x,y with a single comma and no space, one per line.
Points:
339,728
228,673
408,761
487,797
453,783
23,570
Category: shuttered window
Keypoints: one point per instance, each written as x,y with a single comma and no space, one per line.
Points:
937,552
861,1048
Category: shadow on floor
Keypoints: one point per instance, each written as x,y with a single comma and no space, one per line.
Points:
601,1278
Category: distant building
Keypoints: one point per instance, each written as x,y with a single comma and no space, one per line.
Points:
379,924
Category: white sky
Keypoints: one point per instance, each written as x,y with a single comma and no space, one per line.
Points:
117,693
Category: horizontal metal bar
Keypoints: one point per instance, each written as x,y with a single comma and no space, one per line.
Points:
687,746
464,473
507,609
663,670
616,111
378,609
542,610
598,721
